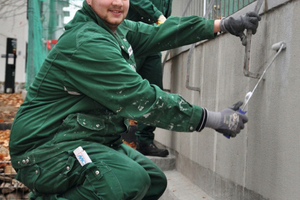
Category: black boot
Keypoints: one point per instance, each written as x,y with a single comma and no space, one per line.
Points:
151,150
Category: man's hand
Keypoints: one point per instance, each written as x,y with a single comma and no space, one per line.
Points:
237,26
229,121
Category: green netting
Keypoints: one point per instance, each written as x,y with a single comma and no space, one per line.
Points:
224,8
35,51
45,25
52,21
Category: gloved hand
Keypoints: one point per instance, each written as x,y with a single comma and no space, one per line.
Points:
161,20
237,26
229,121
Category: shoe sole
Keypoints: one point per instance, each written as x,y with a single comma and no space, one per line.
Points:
161,154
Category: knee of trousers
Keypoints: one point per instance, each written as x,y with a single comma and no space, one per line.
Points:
158,186
162,182
139,184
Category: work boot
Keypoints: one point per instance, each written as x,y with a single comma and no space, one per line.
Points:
151,150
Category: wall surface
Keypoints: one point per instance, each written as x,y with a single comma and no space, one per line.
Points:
14,24
263,161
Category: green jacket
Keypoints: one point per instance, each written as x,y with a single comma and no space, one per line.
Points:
88,86
148,11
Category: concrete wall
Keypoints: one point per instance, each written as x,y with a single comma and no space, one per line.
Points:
263,161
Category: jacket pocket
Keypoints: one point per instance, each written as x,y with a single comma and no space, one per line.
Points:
81,127
90,122
28,176
57,175
102,181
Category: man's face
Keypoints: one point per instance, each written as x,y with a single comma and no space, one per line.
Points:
112,12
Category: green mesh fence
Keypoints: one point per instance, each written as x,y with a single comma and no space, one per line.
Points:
45,25
224,8
35,52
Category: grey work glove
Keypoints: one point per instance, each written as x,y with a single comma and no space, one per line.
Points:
229,121
236,26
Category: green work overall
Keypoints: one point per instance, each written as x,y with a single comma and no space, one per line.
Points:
83,95
149,67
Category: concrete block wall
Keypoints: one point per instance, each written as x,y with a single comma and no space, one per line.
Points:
263,161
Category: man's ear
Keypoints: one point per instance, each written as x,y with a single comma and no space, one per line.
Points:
88,2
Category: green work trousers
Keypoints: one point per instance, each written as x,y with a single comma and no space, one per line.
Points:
150,68
115,174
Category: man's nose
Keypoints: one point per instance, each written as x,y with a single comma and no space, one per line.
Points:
117,2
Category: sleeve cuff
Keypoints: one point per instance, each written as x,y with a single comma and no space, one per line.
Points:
202,122
157,14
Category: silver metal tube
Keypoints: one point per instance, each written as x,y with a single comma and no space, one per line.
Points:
281,46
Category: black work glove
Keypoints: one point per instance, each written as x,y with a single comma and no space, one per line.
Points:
237,26
229,121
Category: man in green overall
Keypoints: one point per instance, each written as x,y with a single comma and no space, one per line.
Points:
65,141
149,67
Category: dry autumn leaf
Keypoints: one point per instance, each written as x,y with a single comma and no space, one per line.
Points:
9,105
4,150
